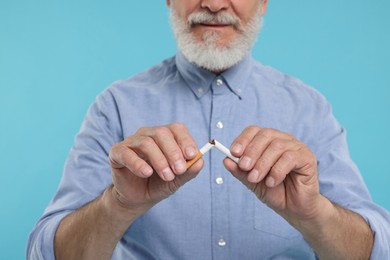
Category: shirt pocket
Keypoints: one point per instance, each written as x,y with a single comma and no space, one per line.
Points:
267,221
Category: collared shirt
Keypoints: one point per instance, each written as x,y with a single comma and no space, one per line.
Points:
213,216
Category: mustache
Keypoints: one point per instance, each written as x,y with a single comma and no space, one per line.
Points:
207,17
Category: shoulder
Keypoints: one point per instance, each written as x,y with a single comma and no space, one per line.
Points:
150,77
292,86
145,83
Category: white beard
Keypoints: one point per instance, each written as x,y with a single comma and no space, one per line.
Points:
207,54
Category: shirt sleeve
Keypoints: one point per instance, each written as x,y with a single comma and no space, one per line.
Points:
342,183
86,173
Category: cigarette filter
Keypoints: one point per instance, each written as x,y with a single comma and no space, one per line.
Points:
201,152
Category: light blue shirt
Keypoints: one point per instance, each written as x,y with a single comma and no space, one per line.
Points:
213,216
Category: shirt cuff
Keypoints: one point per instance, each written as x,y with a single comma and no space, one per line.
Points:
379,221
41,240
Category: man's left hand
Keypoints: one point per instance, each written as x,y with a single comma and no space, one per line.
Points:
280,170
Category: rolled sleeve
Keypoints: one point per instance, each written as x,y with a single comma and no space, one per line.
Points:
86,175
41,240
342,183
378,219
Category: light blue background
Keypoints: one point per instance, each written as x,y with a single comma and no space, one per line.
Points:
56,56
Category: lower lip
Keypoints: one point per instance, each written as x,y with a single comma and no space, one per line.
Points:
214,26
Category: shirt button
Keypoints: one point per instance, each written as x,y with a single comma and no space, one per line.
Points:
219,125
219,82
221,242
200,90
219,180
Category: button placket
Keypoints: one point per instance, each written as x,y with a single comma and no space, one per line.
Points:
220,193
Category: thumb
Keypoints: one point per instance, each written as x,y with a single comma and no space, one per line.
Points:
235,170
190,174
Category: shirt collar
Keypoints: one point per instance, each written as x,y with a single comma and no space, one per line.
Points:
200,80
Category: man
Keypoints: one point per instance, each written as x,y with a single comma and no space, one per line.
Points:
127,193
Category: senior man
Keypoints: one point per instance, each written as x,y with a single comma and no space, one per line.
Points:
127,192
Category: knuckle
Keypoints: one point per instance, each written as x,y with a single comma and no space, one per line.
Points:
305,148
289,156
263,165
160,164
186,141
116,152
253,151
306,152
278,171
177,126
124,156
138,166
175,155
161,131
115,148
290,136
267,133
311,157
252,128
143,130
243,140
144,141
278,145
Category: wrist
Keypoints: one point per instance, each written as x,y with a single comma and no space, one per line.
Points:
319,220
337,233
116,209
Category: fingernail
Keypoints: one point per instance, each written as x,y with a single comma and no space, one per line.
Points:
255,175
270,182
236,148
168,174
245,162
190,152
146,171
180,166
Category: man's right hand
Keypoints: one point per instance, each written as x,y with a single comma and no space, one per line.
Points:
146,167
150,165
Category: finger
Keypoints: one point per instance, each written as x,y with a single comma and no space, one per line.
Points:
235,170
299,160
192,172
165,140
241,142
184,140
269,196
172,186
239,174
258,145
286,163
269,157
122,157
146,147
198,156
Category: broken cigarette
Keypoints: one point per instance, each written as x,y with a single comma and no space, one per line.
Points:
201,152
224,150
213,143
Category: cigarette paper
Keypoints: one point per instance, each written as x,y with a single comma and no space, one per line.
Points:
224,150
201,152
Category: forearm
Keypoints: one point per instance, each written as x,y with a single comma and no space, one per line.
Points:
93,231
338,233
